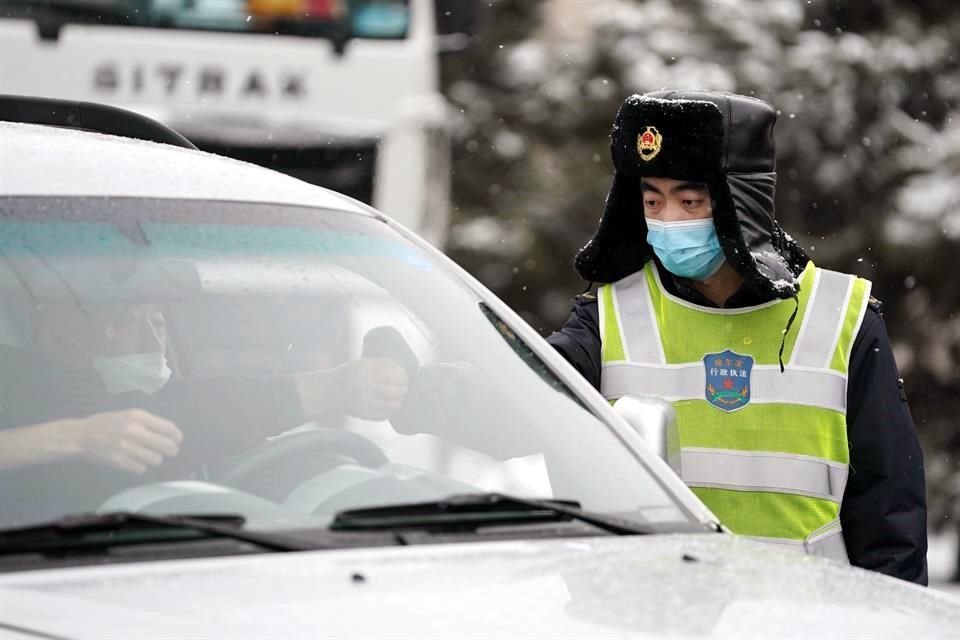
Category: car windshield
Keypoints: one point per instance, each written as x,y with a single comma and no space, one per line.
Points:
379,19
281,363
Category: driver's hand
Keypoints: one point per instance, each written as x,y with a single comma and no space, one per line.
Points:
369,388
132,440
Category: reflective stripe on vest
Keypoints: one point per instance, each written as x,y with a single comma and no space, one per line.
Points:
762,471
826,542
774,468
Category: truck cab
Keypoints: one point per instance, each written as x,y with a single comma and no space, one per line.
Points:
340,93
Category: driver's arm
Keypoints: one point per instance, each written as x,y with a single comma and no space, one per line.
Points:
368,388
228,415
460,404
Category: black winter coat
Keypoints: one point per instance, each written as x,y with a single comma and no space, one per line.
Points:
884,512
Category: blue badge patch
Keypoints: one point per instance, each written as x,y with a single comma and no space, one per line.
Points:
728,379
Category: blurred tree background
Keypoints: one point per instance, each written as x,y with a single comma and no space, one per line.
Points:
868,154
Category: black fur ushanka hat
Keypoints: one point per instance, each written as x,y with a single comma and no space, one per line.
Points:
720,139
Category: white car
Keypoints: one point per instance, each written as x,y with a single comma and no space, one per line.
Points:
274,325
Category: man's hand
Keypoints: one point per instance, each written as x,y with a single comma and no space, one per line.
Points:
369,388
133,440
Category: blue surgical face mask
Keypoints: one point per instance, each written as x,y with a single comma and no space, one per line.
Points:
689,248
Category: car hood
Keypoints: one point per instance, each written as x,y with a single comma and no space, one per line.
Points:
701,586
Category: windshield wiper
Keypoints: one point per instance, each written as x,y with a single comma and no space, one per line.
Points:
101,531
472,510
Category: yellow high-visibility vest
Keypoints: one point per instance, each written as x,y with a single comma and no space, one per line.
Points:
765,450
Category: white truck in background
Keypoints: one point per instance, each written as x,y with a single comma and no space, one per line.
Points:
340,93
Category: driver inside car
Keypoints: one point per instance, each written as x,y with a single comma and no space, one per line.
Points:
98,390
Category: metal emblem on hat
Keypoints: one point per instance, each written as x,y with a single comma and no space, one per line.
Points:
728,380
648,144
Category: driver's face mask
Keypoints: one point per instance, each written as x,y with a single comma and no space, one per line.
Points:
146,372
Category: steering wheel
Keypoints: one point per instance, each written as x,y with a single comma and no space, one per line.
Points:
275,468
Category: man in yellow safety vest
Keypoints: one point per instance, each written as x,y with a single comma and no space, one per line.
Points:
794,427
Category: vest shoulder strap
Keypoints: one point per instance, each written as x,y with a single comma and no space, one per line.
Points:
832,319
639,339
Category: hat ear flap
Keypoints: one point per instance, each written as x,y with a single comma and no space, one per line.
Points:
619,247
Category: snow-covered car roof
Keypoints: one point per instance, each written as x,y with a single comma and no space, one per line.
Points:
38,160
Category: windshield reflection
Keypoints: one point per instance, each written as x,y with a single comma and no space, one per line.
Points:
283,364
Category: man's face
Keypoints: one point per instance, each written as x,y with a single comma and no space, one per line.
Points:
134,328
107,329
669,200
